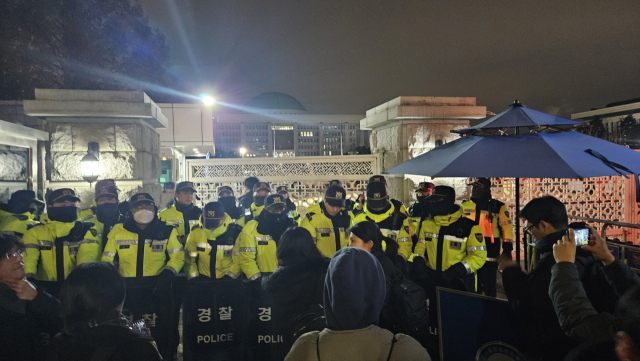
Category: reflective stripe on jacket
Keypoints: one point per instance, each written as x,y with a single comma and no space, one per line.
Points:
323,231
401,235
255,252
198,253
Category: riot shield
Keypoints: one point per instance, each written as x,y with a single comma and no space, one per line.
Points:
155,307
214,316
264,340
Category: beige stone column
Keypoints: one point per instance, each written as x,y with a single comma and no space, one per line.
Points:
407,126
123,123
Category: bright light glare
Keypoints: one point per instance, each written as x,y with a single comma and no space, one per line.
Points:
208,101
243,150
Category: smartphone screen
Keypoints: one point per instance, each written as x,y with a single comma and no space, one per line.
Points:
581,236
247,211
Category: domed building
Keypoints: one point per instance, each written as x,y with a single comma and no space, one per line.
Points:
278,125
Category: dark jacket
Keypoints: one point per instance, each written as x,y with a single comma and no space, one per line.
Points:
113,341
245,200
392,273
528,294
577,316
22,323
296,293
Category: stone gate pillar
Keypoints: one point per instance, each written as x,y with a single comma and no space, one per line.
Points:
123,123
407,126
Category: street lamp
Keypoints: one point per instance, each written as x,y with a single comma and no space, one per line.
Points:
89,165
243,150
208,100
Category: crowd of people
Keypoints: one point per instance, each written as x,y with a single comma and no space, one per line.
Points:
347,279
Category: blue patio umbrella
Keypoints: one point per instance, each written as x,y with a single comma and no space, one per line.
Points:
519,116
534,155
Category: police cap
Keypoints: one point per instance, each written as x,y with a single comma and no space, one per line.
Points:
378,179
107,192
336,196
274,201
261,185
225,189
24,197
424,186
481,182
104,183
335,182
282,189
445,192
213,210
61,195
185,187
140,198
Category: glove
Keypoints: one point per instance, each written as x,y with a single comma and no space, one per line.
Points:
165,278
456,271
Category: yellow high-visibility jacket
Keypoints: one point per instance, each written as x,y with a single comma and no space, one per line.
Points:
200,245
492,223
18,224
255,211
124,243
175,218
323,230
87,213
401,235
462,242
40,242
255,252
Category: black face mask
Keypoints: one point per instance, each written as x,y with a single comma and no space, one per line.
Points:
259,200
229,203
421,198
211,223
19,207
480,192
274,224
63,214
442,207
108,212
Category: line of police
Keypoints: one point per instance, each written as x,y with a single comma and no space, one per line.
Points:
442,243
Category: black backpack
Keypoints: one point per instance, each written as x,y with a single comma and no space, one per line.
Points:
409,302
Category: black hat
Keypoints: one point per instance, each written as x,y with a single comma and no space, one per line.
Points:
481,182
185,186
445,192
261,185
335,196
107,192
141,197
335,182
24,196
169,185
376,195
104,183
274,201
61,195
424,186
213,210
378,179
282,189
225,189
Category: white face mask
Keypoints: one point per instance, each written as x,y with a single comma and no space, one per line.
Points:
144,216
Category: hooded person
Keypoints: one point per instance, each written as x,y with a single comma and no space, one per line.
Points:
354,293
255,249
228,200
23,208
450,246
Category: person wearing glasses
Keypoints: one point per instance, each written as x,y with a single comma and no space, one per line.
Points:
25,310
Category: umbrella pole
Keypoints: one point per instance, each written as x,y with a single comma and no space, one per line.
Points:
517,222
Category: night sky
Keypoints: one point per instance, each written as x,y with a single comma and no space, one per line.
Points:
339,56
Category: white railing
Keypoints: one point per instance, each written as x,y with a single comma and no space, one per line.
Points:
306,177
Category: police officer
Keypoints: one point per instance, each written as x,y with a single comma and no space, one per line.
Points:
22,208
88,213
210,247
255,249
419,208
260,192
55,246
291,207
246,200
107,212
450,245
492,216
330,226
398,204
182,213
149,254
392,221
228,200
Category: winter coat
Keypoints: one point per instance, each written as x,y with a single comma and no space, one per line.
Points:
296,294
24,321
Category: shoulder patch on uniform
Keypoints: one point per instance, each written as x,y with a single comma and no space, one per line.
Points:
309,215
93,232
479,236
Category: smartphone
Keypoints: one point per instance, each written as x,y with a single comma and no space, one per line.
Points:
247,211
581,236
